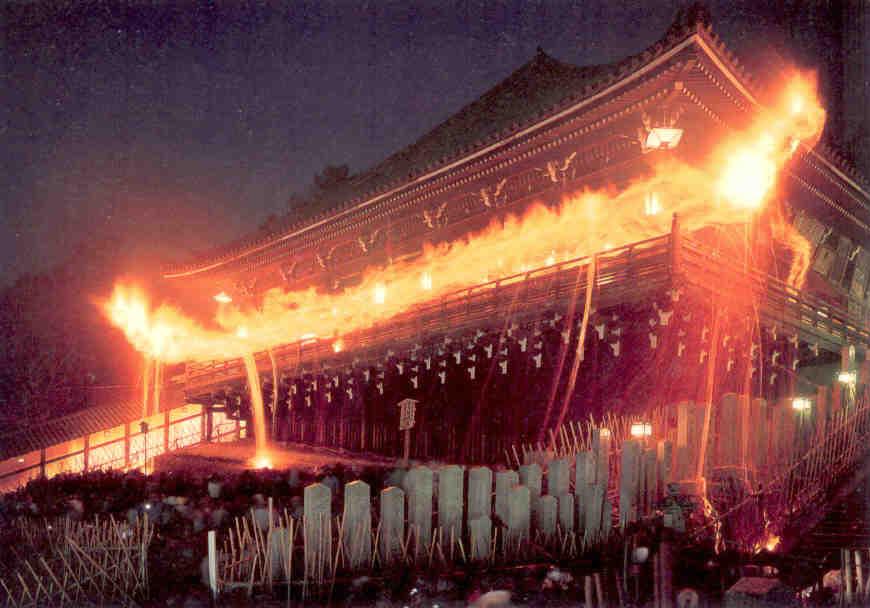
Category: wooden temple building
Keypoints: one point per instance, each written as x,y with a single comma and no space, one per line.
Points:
491,365
548,129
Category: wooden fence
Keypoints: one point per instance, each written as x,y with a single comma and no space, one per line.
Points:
64,563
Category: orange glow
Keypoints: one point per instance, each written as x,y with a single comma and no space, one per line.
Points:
770,543
262,462
731,188
257,408
651,204
380,293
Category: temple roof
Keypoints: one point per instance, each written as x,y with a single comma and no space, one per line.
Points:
531,91
536,90
58,430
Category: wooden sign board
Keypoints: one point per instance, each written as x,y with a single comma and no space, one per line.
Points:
407,414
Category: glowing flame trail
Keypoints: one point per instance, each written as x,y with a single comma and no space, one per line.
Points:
729,189
261,457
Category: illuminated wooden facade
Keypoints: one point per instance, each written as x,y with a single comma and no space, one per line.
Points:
549,129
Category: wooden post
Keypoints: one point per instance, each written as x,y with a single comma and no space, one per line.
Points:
587,590
212,564
407,447
166,431
86,453
859,572
42,463
676,243
203,426
847,574
126,445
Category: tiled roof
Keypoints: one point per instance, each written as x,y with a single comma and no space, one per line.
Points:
538,89
51,432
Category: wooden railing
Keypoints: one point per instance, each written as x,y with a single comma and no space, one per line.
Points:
826,454
623,274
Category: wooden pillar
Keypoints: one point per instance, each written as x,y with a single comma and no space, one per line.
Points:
675,246
86,453
203,426
166,431
847,573
126,445
42,463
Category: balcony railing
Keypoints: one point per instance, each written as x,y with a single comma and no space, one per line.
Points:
623,274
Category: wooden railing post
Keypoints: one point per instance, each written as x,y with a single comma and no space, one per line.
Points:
676,244
166,432
126,445
86,453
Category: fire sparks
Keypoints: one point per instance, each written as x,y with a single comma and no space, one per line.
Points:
737,182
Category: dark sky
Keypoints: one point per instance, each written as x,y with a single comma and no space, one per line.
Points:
178,128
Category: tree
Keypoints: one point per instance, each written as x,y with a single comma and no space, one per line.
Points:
57,344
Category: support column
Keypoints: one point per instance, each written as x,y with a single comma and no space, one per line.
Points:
86,453
126,445
166,432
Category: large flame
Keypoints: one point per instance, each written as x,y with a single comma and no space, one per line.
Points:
731,188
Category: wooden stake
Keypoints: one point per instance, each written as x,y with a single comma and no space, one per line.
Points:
599,590
212,564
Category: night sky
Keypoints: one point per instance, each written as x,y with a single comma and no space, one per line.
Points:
178,129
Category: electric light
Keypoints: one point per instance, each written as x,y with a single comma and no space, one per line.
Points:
641,429
663,138
846,377
242,332
223,298
426,281
263,462
801,404
640,555
338,346
551,259
308,336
